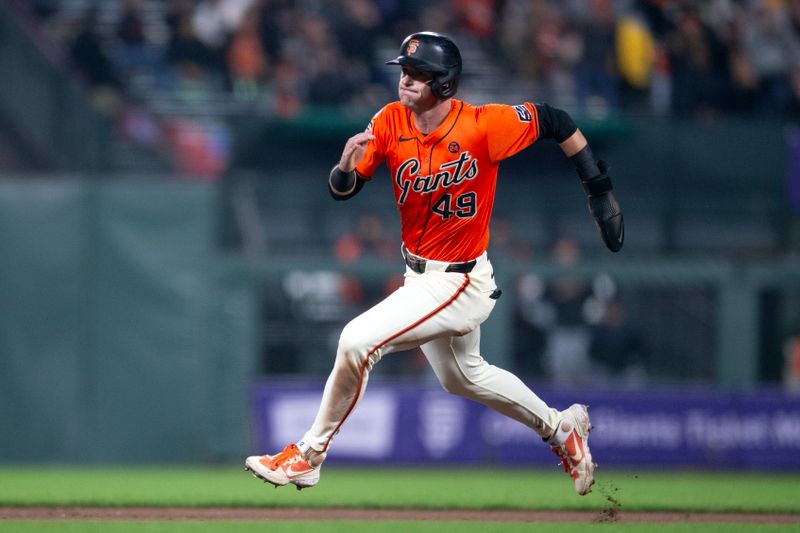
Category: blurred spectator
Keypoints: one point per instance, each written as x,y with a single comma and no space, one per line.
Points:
332,81
658,15
696,59
513,37
557,51
566,354
695,79
641,66
130,27
478,17
529,334
304,314
174,11
556,308
312,49
358,31
276,18
505,243
289,89
617,348
369,238
331,78
137,57
743,90
772,47
595,70
247,62
215,20
573,329
191,58
185,47
89,55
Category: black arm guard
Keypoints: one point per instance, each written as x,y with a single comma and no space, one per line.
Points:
604,208
343,185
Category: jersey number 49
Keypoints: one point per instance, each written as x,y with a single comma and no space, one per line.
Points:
463,207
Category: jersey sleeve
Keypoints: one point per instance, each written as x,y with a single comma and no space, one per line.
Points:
374,153
509,129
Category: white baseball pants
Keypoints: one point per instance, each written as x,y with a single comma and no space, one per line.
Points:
441,312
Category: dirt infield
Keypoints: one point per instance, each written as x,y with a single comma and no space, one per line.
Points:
273,514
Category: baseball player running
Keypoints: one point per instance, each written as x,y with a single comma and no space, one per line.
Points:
443,156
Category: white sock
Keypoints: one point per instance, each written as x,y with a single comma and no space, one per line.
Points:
314,457
563,429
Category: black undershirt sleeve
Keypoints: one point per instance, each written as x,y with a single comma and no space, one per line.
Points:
344,181
554,123
358,187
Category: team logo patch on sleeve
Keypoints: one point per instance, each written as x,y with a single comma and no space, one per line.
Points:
522,113
371,124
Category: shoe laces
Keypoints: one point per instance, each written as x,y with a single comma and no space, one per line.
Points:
290,455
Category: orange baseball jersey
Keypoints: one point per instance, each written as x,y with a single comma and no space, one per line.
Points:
444,182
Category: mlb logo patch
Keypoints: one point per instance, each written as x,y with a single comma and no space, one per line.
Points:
522,113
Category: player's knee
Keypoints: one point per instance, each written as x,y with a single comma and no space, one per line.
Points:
352,346
455,384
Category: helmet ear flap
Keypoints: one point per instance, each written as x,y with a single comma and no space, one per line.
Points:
445,86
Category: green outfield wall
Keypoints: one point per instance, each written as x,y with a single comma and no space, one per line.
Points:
119,341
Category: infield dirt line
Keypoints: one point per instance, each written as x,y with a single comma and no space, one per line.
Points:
281,513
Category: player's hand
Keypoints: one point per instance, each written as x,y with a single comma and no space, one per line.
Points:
607,215
354,150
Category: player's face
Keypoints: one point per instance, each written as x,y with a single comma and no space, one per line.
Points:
414,90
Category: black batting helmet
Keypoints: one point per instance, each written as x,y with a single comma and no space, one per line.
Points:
435,53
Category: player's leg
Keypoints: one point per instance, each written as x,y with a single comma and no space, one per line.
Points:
462,370
412,315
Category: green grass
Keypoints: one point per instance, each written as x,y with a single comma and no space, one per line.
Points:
374,527
403,487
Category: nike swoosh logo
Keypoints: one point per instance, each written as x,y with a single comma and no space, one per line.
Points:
578,455
404,139
292,471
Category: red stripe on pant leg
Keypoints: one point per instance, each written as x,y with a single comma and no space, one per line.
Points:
365,363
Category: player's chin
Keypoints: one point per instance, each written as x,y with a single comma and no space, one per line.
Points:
406,100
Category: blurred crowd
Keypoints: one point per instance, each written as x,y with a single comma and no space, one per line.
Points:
691,58
686,57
